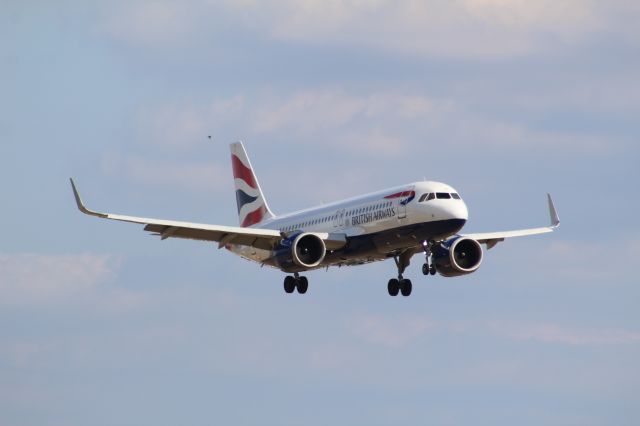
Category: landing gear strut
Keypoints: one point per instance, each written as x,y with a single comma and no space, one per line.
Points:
428,268
401,285
291,283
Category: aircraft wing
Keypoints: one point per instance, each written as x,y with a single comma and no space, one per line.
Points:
260,238
493,238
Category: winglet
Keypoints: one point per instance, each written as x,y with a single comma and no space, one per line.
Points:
555,220
81,206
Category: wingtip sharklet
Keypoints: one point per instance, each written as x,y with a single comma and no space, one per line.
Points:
81,205
553,213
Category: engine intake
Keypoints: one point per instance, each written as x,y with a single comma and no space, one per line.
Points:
308,250
457,256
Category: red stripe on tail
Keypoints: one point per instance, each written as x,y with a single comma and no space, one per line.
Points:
240,171
254,217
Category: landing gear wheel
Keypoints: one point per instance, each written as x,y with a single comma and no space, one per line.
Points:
426,269
393,287
432,270
289,284
406,287
302,285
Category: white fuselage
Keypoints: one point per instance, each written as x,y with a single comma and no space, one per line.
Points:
371,215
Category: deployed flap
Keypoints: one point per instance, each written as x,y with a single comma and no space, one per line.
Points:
260,238
493,238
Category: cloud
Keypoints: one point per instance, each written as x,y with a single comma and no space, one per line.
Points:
185,126
391,331
569,260
471,28
460,28
308,111
155,24
379,124
27,279
400,331
190,175
552,333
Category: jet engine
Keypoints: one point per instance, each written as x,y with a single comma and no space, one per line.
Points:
301,252
308,250
457,256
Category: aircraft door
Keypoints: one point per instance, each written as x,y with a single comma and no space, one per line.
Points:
402,208
402,202
339,218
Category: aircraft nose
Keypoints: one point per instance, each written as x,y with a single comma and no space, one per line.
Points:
457,209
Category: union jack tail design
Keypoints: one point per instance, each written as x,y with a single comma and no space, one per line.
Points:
252,206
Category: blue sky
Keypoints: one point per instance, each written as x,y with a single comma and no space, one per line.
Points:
505,100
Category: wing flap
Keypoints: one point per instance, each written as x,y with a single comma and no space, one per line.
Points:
259,238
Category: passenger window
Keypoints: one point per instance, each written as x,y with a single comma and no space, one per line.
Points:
443,195
455,196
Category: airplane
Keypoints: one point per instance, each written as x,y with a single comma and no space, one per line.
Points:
397,223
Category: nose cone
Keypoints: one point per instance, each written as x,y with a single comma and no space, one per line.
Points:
454,209
456,214
461,211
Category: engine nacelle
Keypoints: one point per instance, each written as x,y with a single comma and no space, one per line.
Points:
308,250
457,256
302,252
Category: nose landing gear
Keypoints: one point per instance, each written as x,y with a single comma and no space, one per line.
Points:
428,268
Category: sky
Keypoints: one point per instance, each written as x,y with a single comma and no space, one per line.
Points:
505,100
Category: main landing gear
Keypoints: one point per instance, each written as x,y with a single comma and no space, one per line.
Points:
291,283
401,285
428,268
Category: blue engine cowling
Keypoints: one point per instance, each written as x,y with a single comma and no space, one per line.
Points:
457,256
300,252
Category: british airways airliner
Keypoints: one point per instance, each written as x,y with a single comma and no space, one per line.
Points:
396,223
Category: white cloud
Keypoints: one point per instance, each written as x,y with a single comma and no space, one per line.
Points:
195,176
43,279
571,260
458,28
391,331
400,331
185,126
379,125
552,333
464,28
376,124
308,111
155,24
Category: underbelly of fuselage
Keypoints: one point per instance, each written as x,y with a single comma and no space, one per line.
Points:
368,247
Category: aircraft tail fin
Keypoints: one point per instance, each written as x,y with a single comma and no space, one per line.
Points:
252,205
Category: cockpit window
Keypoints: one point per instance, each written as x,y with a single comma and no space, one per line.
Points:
443,195
431,196
423,197
455,196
